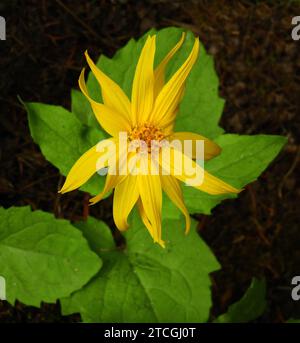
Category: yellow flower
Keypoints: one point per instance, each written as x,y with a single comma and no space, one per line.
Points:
149,116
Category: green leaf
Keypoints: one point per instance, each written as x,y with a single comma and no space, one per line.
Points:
249,307
42,258
293,321
144,282
63,139
242,160
98,235
82,109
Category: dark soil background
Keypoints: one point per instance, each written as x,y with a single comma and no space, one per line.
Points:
259,68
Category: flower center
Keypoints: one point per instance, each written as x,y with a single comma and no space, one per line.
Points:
146,133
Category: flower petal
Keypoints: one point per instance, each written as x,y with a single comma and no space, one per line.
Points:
146,221
143,83
112,94
111,121
117,173
168,124
159,72
187,170
151,199
172,188
125,196
168,99
85,167
144,217
211,149
110,183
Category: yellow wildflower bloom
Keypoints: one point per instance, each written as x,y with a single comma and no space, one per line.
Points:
149,116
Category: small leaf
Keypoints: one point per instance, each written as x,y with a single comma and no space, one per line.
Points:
242,160
42,258
145,283
63,139
249,307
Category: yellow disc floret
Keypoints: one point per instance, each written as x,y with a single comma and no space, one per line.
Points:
147,133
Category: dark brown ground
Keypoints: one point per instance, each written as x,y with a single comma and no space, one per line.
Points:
259,68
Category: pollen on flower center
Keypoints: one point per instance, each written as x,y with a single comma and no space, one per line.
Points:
147,133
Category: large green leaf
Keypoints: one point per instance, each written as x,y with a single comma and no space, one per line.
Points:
145,283
242,160
249,307
63,139
42,258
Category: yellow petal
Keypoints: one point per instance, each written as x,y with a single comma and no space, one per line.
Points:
144,217
110,183
112,94
143,84
188,171
172,188
170,96
168,125
125,196
85,167
146,222
159,72
211,149
151,199
116,174
111,121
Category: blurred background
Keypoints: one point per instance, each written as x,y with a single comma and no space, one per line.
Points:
258,64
